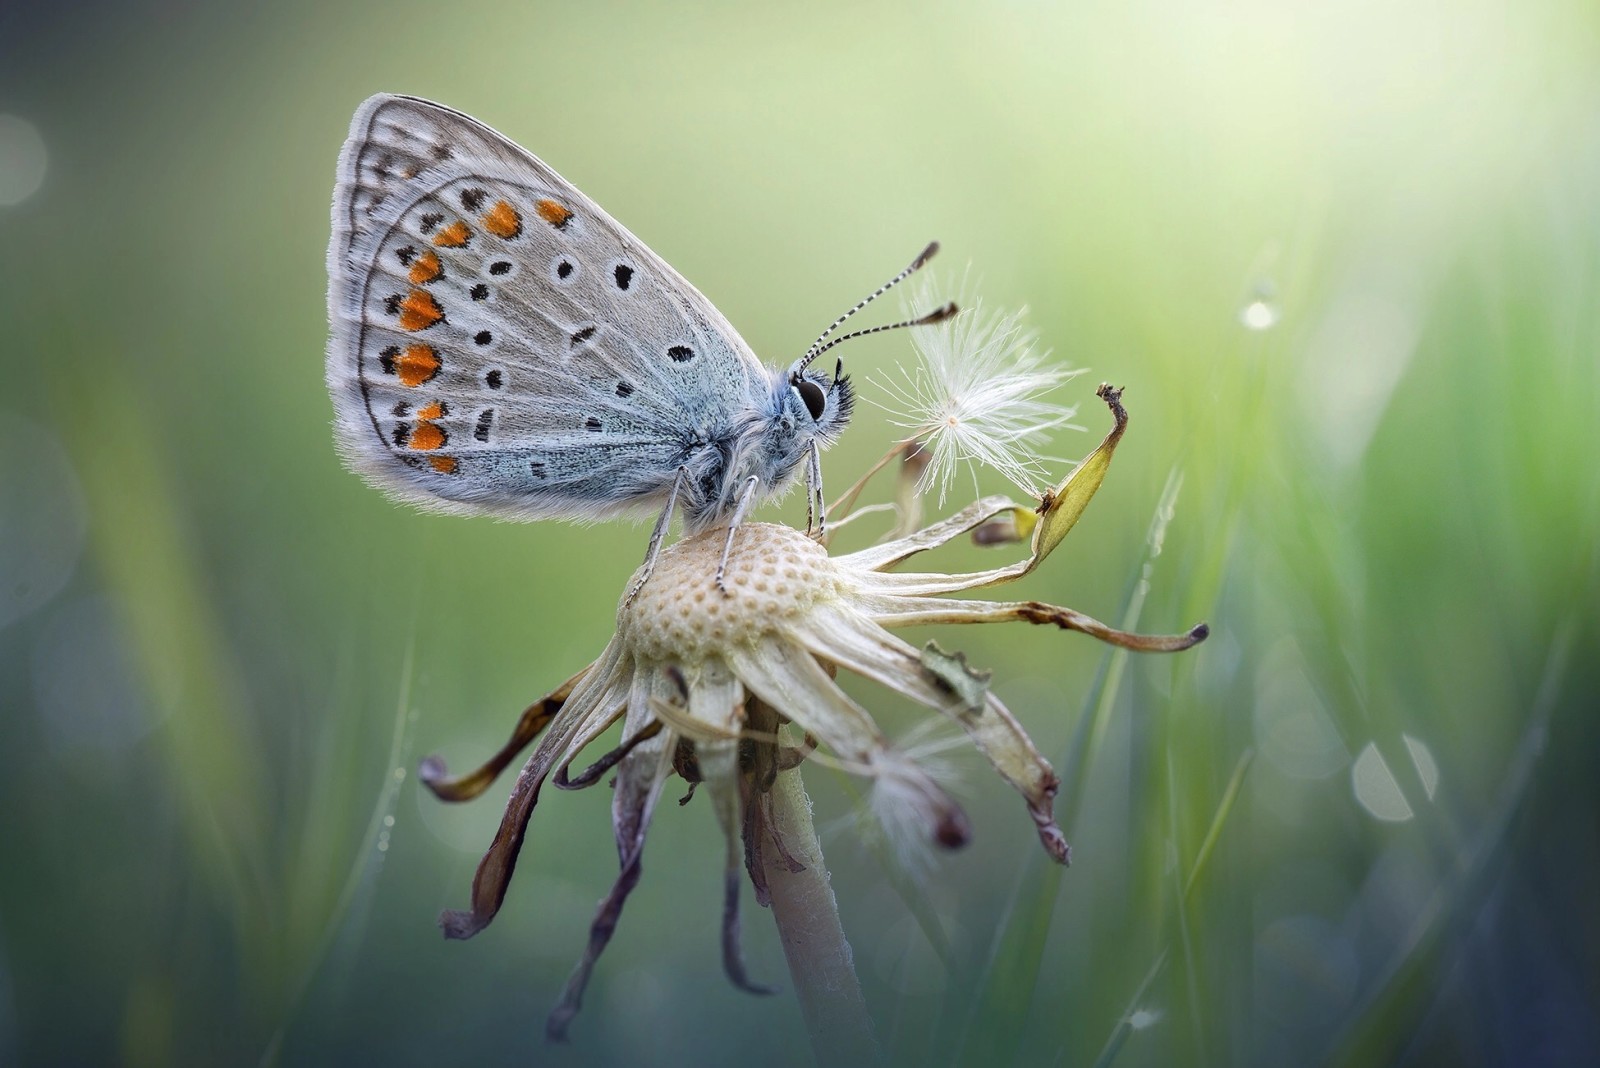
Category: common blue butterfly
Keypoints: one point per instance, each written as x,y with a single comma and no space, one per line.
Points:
500,345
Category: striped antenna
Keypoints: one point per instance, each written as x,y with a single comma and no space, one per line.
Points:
938,315
818,348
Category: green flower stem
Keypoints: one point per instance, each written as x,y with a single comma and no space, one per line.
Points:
807,913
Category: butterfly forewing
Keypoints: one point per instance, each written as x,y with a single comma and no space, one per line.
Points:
499,343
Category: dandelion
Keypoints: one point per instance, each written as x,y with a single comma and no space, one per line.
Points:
733,692
973,396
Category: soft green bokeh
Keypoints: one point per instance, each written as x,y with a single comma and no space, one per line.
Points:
1345,258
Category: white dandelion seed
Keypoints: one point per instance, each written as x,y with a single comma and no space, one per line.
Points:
973,395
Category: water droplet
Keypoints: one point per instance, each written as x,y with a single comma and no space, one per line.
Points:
388,821
1375,786
1140,1019
1259,314
1261,311
22,160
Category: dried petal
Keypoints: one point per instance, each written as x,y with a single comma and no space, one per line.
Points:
1060,509
436,777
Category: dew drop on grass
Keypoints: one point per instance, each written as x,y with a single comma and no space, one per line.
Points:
1375,786
1259,314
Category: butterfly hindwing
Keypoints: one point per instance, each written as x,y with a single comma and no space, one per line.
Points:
502,345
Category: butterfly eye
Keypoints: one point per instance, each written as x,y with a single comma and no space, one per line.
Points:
812,394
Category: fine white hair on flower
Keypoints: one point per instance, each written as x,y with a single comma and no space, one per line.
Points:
899,806
973,395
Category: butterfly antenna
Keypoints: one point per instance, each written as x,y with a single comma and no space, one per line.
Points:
938,315
818,348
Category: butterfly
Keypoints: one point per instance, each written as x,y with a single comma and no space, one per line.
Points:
500,345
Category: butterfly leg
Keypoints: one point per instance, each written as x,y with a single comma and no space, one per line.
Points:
657,536
747,495
815,508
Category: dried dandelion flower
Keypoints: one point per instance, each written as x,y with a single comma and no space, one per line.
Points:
704,684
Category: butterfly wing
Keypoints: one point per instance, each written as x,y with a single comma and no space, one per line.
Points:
500,344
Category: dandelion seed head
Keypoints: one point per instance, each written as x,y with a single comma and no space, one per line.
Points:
973,395
772,577
903,807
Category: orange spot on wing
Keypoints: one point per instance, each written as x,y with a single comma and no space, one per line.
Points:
445,465
429,435
502,220
453,236
425,268
418,364
419,310
426,436
551,212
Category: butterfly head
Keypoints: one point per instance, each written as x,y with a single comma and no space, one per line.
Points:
820,406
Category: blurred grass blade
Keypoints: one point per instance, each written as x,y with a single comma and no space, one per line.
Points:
1091,729
1006,983
1386,1018
143,546
1219,819
1230,795
361,877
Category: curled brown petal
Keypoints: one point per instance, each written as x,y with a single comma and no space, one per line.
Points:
1044,819
590,775
638,789
494,872
732,953
600,932
728,798
600,687
436,777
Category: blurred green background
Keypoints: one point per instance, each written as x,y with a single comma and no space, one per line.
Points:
1343,257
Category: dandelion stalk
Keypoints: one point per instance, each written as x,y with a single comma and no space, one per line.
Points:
807,914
